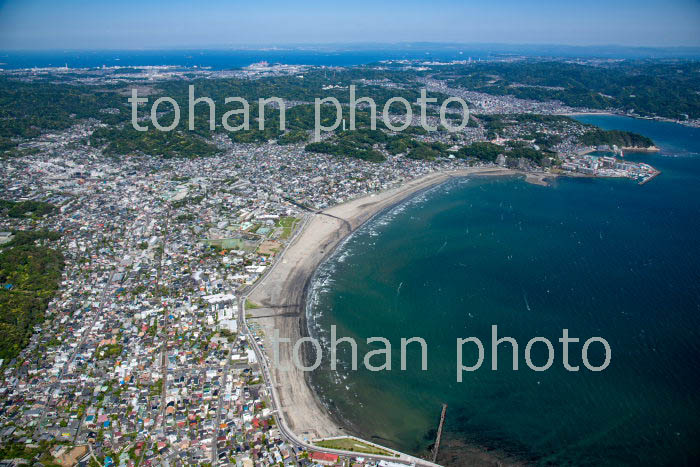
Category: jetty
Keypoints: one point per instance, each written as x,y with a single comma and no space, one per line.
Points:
439,433
650,178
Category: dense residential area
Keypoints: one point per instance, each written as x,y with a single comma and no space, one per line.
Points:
139,358
125,256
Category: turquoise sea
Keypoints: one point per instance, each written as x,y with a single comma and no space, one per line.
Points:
599,257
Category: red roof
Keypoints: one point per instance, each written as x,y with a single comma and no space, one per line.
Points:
322,456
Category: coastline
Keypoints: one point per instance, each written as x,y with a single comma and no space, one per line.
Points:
590,112
640,149
685,123
282,294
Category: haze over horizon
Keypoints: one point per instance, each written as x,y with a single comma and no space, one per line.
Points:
79,24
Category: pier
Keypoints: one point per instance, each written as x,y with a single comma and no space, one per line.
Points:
650,178
439,433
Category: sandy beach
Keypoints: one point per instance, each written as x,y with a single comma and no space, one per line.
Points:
541,179
282,292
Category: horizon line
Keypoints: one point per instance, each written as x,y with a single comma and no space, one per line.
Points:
355,44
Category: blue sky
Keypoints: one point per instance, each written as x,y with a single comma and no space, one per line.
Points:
98,24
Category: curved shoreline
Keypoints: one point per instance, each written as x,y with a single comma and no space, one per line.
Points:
610,113
303,320
282,294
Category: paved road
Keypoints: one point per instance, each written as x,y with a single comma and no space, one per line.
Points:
57,384
164,328
262,359
217,422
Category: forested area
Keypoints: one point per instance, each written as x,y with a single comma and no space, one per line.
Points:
596,137
18,209
176,143
670,89
363,144
358,144
27,109
30,273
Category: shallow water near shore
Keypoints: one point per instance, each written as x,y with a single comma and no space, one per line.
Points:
599,257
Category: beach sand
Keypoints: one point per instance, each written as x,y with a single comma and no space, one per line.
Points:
282,292
541,179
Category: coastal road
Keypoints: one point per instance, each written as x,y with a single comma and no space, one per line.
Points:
272,390
241,323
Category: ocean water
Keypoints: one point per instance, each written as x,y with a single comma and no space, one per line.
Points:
227,59
320,54
598,257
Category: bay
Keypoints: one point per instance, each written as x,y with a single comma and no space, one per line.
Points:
598,257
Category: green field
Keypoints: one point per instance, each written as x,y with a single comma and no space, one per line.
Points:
233,244
351,444
251,305
287,224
